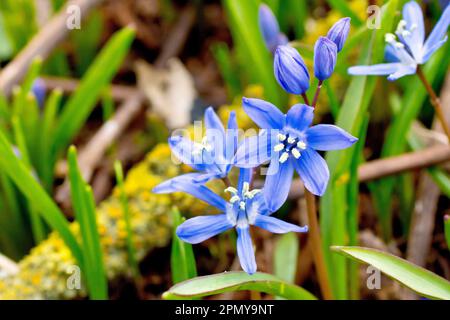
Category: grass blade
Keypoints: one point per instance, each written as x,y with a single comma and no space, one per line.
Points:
84,207
447,230
285,257
28,185
182,260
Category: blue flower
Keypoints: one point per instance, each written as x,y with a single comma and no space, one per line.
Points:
212,157
245,208
411,49
270,29
290,70
325,55
339,32
289,143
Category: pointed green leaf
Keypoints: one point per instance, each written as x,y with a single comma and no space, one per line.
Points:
236,281
414,277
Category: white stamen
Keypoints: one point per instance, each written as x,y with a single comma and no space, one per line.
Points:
291,140
281,137
284,157
296,153
278,147
413,27
234,199
406,33
401,26
242,205
399,45
231,190
389,37
245,187
301,145
252,194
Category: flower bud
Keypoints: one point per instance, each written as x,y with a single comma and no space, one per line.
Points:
325,52
339,32
38,89
270,29
290,70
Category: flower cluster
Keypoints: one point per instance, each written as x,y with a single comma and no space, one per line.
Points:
407,48
287,142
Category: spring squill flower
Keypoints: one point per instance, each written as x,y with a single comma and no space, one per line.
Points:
245,208
407,48
212,158
270,29
289,143
339,32
325,56
290,70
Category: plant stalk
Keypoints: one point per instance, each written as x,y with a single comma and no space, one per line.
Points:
316,241
435,101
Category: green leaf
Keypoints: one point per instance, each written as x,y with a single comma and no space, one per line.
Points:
285,257
236,281
414,277
84,207
81,103
223,59
18,172
182,260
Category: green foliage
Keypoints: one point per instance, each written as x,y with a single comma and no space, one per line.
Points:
84,207
414,277
285,257
236,281
182,260
447,230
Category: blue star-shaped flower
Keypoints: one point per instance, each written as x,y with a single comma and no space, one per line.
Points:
245,208
289,143
213,157
411,50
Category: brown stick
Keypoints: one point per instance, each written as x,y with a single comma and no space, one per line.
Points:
381,168
316,244
42,44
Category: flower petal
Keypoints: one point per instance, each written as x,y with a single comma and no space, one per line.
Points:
278,183
325,137
183,149
199,229
232,136
168,185
245,250
404,70
275,225
254,151
412,14
376,69
313,170
245,175
263,113
186,183
300,117
436,36
215,132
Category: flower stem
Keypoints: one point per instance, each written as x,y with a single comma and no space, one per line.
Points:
317,249
226,181
434,101
316,95
305,98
